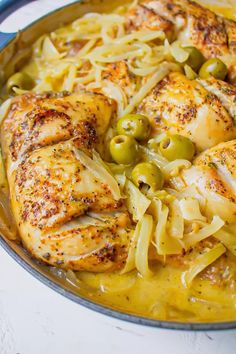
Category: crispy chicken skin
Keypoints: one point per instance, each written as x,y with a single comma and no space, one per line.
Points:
34,121
119,74
61,186
49,189
141,17
183,106
190,23
52,190
214,174
224,91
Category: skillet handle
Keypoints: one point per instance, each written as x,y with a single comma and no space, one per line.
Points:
5,3
5,38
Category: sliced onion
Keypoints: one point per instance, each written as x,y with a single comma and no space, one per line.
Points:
202,262
100,172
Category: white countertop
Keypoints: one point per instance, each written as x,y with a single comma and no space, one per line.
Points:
36,320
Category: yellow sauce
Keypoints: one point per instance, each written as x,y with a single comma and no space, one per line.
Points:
163,296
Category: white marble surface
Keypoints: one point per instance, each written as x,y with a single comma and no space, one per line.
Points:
36,320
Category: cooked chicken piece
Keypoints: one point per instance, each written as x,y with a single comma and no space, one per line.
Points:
141,17
54,184
96,245
214,174
183,106
49,189
192,24
119,74
34,121
152,15
224,91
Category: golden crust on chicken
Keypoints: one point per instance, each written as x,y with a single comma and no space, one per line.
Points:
214,174
185,107
35,120
119,74
50,190
51,186
224,91
141,17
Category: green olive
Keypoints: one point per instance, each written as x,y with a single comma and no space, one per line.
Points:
195,59
213,67
135,125
175,147
147,173
124,149
20,80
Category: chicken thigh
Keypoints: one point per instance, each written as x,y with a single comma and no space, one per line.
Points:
214,174
34,121
55,183
185,107
224,91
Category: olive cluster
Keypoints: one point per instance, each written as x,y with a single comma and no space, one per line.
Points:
124,149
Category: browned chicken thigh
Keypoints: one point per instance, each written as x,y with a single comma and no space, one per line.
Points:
224,91
142,17
34,121
214,174
185,107
55,183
